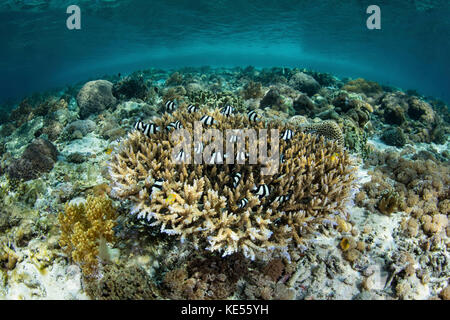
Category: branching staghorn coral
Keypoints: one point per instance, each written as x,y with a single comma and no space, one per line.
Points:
201,202
85,229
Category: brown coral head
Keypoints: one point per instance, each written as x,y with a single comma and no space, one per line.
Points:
389,202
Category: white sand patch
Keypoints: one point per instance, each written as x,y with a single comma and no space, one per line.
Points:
58,281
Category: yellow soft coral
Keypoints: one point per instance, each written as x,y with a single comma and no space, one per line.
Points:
85,229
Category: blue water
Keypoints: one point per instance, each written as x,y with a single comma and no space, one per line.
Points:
38,52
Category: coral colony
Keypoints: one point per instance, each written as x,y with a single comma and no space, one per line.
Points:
235,183
253,214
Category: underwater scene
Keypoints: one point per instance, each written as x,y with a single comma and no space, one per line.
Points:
224,150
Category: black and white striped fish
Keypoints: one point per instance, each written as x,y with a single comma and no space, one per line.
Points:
252,115
216,157
242,203
208,120
287,135
241,156
181,156
147,129
191,108
236,179
139,125
174,125
170,106
233,138
262,191
283,198
157,186
227,110
198,147
150,128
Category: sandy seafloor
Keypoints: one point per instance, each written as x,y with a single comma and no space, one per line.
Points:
43,271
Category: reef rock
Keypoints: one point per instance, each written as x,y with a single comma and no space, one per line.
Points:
95,96
420,110
130,88
304,83
272,98
303,105
194,87
80,128
394,137
38,157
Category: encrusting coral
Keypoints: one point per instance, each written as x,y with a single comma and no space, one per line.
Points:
122,283
203,203
363,86
328,129
389,202
209,277
418,187
85,229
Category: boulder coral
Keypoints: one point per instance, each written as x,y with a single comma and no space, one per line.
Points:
94,97
129,88
304,83
414,116
369,88
38,157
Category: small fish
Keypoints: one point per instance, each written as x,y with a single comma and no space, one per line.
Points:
216,158
242,203
180,156
198,148
139,125
283,198
171,198
252,115
156,89
240,156
233,139
208,120
109,150
262,191
282,159
227,110
236,179
287,135
157,186
146,129
191,108
142,215
174,125
170,106
334,156
150,128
